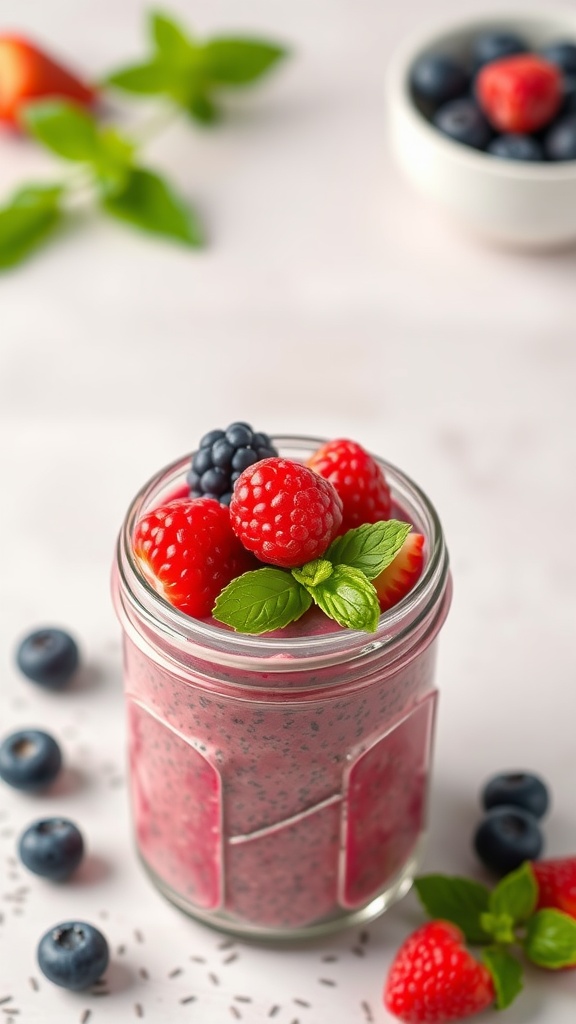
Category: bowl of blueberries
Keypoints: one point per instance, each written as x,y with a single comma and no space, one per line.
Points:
482,120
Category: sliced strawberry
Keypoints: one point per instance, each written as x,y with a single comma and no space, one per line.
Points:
403,572
28,73
556,884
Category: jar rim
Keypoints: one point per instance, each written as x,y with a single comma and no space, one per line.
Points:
141,602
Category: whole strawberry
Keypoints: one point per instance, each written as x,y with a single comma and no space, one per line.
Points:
28,73
556,884
519,94
283,512
357,478
434,978
188,553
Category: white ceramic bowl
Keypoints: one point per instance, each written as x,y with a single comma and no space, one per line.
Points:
530,205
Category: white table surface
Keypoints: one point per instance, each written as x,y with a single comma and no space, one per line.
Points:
331,301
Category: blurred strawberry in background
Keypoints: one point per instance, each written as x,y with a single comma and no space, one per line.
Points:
28,73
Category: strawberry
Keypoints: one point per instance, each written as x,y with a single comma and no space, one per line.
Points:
519,94
402,574
357,478
188,552
27,74
556,884
434,978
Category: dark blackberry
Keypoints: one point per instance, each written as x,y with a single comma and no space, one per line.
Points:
222,457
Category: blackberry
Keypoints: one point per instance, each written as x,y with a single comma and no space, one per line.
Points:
222,456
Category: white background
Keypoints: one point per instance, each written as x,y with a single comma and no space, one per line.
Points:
330,300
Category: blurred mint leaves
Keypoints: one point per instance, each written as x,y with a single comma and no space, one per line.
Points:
187,74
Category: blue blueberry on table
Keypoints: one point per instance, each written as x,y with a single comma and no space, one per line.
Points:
560,140
463,121
437,78
493,45
73,954
29,759
516,147
52,848
49,657
506,838
562,53
517,789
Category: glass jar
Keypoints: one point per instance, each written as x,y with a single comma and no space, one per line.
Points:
279,783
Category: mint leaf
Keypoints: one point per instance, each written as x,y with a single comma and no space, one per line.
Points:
313,573
27,222
551,939
147,79
202,109
348,598
499,926
459,900
506,973
261,601
148,202
370,548
171,40
238,61
516,895
65,128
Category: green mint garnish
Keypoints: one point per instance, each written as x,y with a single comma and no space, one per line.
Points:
506,973
499,926
369,548
516,895
313,573
459,900
31,216
348,597
551,939
261,601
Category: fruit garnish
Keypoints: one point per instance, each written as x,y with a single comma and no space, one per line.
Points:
30,759
221,458
519,789
398,578
506,837
52,848
358,480
73,954
49,657
28,73
556,880
463,121
188,552
519,94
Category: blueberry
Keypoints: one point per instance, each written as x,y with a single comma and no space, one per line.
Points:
222,456
73,954
438,78
517,789
494,45
507,837
569,104
29,759
560,140
49,657
563,54
464,122
52,847
516,147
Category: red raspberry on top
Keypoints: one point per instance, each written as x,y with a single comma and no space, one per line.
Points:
283,512
188,553
434,978
357,478
520,94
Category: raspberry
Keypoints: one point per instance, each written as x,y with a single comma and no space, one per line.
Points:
188,553
519,94
222,456
358,480
283,512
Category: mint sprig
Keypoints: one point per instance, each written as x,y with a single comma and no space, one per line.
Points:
31,217
343,590
459,900
551,939
506,974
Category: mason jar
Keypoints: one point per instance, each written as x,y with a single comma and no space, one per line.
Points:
279,782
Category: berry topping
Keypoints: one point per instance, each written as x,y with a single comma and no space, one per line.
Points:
434,978
49,657
52,848
402,574
516,147
28,73
520,93
29,759
506,837
562,54
222,456
463,121
357,478
188,553
438,78
517,789
560,141
285,513
73,954
492,46
557,884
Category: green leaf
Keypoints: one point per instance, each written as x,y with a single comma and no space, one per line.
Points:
239,61
146,79
506,973
261,601
313,573
499,926
516,895
371,547
172,41
459,900
551,939
27,222
202,109
114,164
148,202
348,598
65,128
